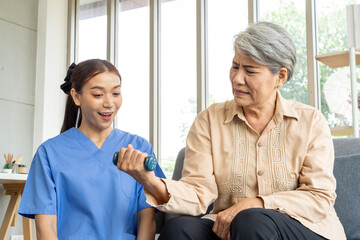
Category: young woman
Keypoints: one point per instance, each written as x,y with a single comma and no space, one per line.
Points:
73,190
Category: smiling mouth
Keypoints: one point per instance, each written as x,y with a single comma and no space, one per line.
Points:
105,114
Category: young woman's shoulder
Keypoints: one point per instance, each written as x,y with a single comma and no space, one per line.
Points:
137,141
64,138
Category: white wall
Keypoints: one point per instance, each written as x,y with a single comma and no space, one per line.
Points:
18,32
50,69
33,36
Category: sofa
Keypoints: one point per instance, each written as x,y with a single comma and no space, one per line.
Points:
346,172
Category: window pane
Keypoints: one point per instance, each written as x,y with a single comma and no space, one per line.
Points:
335,83
92,29
226,19
133,64
290,15
178,77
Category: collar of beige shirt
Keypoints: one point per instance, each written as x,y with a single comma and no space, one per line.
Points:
283,108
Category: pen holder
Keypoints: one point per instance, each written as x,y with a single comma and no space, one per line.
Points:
149,163
21,168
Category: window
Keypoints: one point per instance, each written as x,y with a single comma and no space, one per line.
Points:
133,64
226,19
335,83
291,16
92,29
178,77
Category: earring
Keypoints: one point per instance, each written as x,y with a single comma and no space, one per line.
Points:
77,118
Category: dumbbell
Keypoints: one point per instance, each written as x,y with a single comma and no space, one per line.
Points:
149,163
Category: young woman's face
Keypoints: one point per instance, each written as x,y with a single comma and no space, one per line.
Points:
99,100
253,84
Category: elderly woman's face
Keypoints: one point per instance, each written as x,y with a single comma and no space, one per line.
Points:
253,84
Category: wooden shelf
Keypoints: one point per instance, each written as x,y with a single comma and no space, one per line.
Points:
342,131
336,60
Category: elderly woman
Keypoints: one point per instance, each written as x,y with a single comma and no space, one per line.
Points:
267,162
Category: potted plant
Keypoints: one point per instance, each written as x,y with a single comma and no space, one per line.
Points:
8,165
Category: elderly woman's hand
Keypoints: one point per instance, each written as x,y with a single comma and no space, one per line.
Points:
223,220
131,161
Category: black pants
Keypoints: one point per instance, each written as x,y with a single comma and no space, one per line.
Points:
254,224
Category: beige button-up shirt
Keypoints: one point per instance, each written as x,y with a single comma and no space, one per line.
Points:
290,165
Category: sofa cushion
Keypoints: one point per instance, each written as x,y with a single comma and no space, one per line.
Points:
346,146
179,163
347,204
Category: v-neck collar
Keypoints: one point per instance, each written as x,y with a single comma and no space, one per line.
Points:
89,145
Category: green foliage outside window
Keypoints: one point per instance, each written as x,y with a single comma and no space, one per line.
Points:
332,37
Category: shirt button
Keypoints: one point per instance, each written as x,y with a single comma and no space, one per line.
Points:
260,144
260,172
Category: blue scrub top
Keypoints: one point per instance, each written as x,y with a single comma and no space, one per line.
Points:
73,179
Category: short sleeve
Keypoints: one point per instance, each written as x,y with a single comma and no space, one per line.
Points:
39,196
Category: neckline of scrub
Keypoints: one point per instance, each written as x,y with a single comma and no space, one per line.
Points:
89,144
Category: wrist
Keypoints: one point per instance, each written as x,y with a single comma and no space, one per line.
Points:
260,202
157,188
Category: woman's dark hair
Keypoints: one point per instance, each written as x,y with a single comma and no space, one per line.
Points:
77,77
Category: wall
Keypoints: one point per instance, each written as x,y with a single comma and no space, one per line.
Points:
50,69
33,43
18,33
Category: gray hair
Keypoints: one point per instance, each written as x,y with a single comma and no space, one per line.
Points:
268,44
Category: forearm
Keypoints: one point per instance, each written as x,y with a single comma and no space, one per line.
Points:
157,188
185,192
46,226
45,234
307,204
146,224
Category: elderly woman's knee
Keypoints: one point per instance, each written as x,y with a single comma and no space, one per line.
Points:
174,225
188,227
249,218
253,223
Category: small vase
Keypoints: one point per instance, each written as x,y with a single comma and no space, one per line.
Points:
6,170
